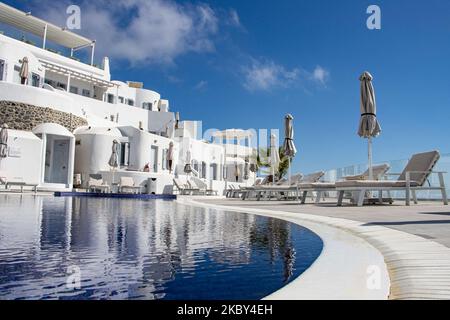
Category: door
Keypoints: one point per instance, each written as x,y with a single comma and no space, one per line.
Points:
2,70
60,170
154,158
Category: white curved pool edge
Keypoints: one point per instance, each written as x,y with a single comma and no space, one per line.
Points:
341,270
418,267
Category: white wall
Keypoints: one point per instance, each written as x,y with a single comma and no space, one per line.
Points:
140,147
24,163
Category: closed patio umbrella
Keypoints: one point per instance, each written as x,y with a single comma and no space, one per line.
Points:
177,120
274,159
289,146
114,159
368,124
246,169
23,73
237,171
4,141
170,156
187,167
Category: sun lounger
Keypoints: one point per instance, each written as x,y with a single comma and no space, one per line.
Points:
411,180
202,187
21,185
98,185
127,183
320,188
184,189
283,188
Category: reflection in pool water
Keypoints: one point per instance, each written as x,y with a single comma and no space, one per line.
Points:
135,249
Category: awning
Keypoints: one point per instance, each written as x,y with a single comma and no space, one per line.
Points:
76,75
26,22
233,133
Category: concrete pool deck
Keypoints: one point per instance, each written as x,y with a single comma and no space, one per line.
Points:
414,241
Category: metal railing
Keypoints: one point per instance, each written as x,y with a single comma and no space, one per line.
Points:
397,166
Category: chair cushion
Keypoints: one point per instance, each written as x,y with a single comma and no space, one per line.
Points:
312,177
420,162
373,184
317,185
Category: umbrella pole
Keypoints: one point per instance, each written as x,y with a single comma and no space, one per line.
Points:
370,158
289,171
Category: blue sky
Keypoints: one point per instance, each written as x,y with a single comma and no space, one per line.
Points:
248,63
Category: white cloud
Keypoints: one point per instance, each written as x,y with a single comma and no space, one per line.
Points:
201,85
234,19
268,75
320,75
141,31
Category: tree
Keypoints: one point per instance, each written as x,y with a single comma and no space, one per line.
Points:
262,160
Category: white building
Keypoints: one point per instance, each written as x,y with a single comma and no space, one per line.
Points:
64,115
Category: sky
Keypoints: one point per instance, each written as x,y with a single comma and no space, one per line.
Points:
245,64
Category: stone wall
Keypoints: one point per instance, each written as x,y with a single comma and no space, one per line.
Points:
21,116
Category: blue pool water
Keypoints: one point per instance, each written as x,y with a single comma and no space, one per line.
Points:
93,248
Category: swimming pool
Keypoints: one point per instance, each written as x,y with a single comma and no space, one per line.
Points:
93,248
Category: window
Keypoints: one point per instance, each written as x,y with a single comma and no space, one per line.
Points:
2,70
130,102
164,159
124,154
86,93
203,174
35,80
16,74
121,99
50,82
154,158
61,86
73,90
110,98
213,171
147,105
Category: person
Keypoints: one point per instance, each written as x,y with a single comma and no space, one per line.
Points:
147,168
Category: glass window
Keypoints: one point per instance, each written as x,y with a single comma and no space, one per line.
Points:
73,90
86,93
121,99
35,80
130,102
2,70
164,159
147,105
110,98
213,171
124,154
61,85
203,174
16,74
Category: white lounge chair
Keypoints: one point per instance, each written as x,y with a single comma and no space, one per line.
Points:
283,187
184,189
321,187
411,180
202,186
98,185
127,183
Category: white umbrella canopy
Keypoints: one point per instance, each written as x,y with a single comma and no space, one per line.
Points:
289,147
114,159
368,123
246,169
4,141
23,73
274,159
